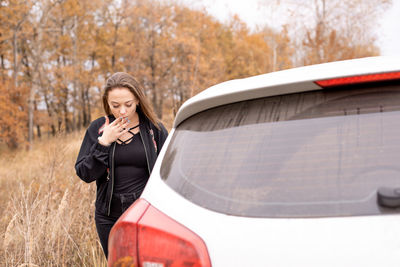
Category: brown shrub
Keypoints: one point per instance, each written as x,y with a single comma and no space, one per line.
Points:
47,213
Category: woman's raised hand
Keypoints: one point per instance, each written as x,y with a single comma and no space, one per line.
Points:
113,131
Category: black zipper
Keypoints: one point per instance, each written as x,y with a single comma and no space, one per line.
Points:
145,152
112,178
112,170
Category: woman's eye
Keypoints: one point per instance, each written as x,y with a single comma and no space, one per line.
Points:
115,106
129,106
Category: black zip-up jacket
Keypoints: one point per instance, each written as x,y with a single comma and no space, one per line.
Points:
95,162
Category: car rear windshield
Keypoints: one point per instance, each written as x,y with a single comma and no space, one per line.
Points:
312,154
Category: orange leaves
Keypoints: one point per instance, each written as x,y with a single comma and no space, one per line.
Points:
71,46
66,49
13,119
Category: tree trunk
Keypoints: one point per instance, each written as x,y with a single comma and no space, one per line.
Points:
2,67
87,117
39,132
66,119
31,108
15,55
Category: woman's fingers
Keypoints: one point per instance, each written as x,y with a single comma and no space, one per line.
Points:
124,127
125,124
107,122
116,121
117,128
122,132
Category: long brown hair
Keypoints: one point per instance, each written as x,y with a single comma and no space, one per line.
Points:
124,80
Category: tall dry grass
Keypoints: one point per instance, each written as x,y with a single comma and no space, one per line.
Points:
47,212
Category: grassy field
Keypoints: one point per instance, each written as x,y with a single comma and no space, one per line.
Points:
47,212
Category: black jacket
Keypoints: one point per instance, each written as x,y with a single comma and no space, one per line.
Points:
95,162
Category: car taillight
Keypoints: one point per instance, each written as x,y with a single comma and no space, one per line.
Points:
144,236
122,242
359,79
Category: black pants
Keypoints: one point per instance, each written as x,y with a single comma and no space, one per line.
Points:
119,204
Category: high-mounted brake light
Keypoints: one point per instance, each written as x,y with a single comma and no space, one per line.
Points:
144,236
387,76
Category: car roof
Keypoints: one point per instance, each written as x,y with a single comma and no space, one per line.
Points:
288,81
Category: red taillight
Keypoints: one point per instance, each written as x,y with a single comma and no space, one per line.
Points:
359,79
122,242
144,236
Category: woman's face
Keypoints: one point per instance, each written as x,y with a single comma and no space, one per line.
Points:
122,103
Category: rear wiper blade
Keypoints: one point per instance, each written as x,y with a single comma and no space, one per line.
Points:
389,197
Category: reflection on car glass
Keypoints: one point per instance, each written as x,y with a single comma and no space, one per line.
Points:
290,160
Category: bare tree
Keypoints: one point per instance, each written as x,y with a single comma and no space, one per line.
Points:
36,48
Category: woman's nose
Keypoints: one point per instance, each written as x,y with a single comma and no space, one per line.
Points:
122,110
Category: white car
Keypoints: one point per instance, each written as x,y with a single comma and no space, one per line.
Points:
299,167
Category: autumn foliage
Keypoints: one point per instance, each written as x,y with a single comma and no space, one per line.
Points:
57,54
13,114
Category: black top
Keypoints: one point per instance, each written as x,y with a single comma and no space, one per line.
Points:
95,162
131,172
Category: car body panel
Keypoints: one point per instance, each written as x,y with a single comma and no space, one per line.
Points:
242,241
248,241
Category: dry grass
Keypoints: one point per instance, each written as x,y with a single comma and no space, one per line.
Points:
47,212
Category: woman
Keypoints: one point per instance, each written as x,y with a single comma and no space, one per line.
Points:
119,150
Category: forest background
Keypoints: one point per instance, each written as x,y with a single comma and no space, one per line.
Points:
55,56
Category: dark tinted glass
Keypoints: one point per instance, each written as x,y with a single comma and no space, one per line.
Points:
319,153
